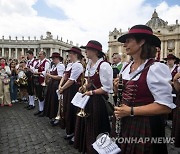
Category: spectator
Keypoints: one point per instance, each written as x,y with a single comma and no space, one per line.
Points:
4,83
13,86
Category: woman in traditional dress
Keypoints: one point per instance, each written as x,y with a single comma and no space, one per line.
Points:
176,112
100,82
69,86
146,95
174,68
55,75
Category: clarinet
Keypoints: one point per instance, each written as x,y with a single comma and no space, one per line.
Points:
119,103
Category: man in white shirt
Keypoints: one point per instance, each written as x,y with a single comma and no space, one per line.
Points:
31,63
41,69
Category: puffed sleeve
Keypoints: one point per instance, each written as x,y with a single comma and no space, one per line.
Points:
60,69
76,71
106,77
158,80
178,69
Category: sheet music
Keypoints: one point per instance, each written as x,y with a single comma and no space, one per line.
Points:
80,101
105,145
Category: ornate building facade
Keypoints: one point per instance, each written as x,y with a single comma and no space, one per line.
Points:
10,48
168,34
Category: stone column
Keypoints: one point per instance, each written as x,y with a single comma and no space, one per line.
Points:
9,53
162,50
51,51
16,50
35,52
22,52
176,48
2,52
165,49
61,52
109,54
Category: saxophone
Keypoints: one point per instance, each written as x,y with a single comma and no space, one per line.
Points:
119,103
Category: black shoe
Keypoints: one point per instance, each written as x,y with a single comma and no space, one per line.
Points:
68,137
56,122
37,113
52,121
41,114
27,106
71,142
30,107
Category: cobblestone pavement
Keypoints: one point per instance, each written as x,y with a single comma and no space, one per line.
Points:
171,148
22,132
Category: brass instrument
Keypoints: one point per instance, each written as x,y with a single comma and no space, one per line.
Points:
21,81
46,80
119,103
82,89
43,84
60,114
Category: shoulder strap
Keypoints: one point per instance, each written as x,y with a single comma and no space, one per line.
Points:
149,63
98,68
125,66
176,68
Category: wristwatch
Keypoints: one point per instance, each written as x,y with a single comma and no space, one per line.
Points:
132,111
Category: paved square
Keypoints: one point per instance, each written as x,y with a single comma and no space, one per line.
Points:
22,132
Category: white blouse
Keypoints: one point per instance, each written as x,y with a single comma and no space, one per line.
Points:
105,74
60,69
77,70
158,81
68,67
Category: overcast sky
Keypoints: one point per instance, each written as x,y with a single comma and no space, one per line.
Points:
80,20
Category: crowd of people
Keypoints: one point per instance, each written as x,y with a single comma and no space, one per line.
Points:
145,91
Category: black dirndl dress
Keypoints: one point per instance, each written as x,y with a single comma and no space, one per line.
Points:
137,128
97,121
176,122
